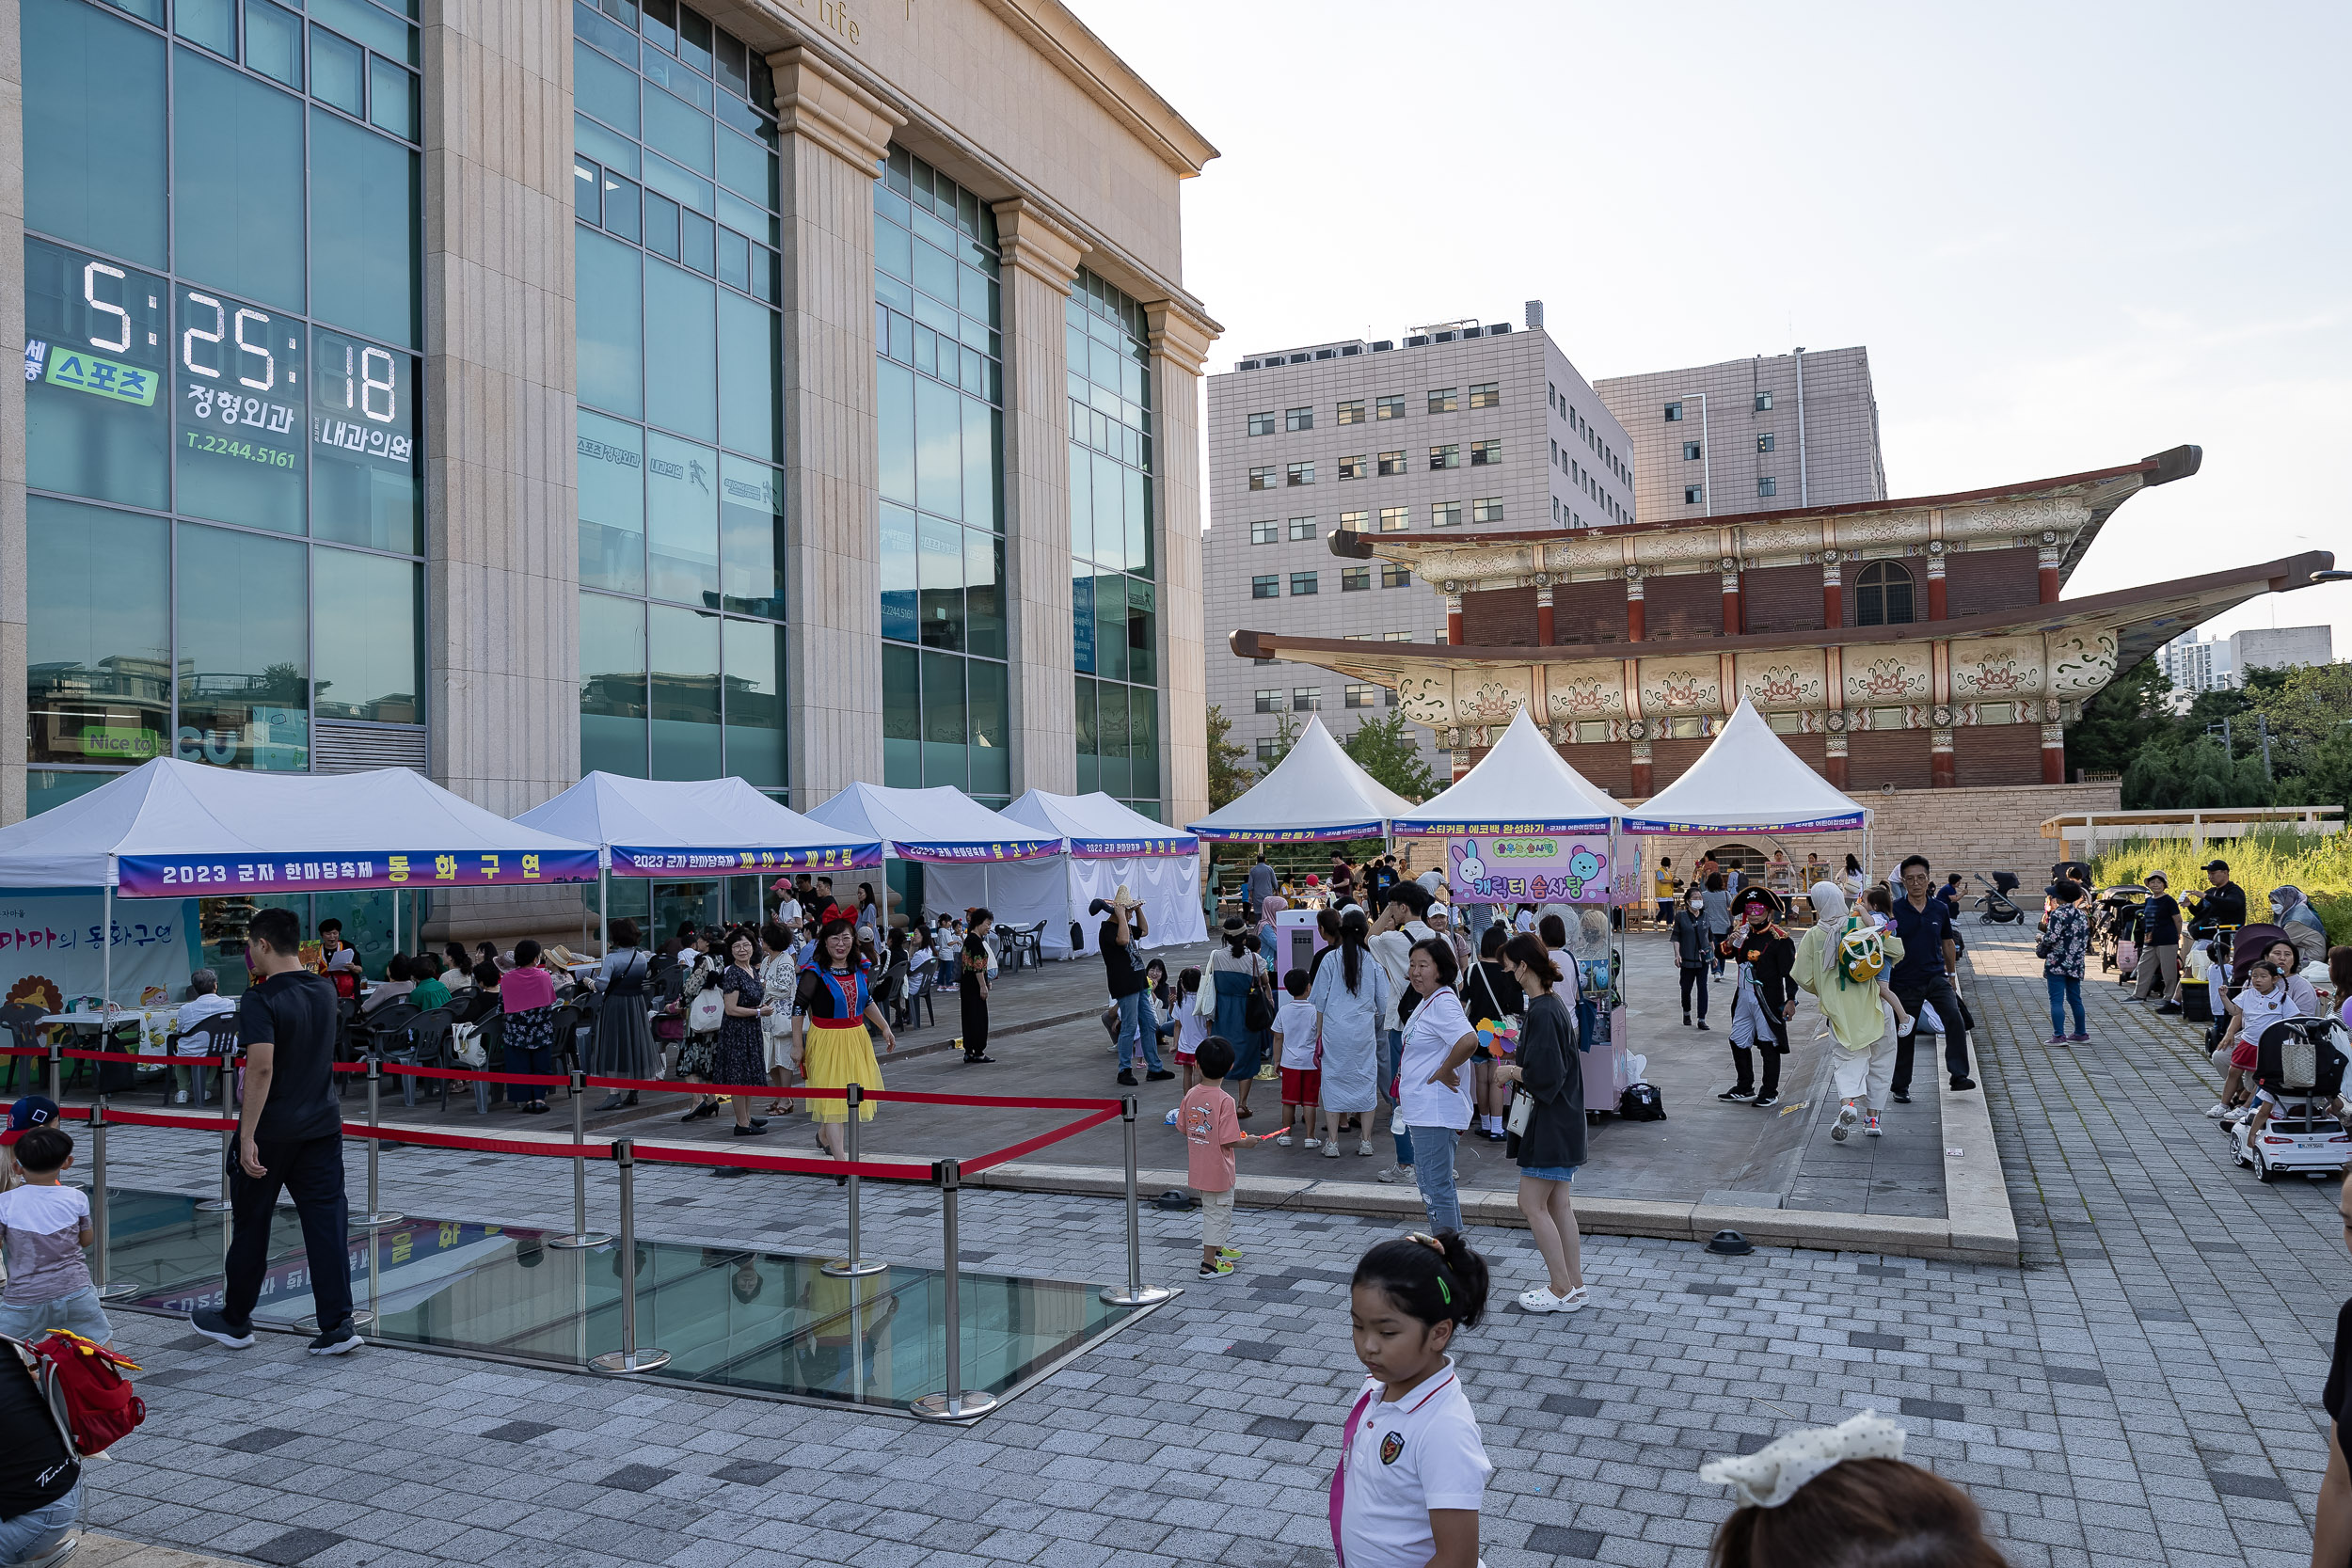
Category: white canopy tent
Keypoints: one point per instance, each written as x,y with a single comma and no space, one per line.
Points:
170,828
1108,844
943,829
1748,780
1522,784
1317,792
685,828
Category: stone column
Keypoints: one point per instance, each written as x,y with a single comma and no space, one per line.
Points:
2052,753
1453,620
1180,338
2047,560
1833,593
1546,629
1729,573
1936,611
13,610
1834,760
1635,607
1641,780
1942,766
832,134
1040,256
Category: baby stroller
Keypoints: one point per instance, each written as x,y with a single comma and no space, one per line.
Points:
1995,905
2115,927
2301,1062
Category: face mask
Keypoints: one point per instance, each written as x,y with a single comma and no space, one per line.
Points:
1697,904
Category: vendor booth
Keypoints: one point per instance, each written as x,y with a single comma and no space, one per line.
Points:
1110,845
1748,781
943,829
1316,793
174,829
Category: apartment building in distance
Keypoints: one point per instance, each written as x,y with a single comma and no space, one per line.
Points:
2220,663
1766,434
1449,430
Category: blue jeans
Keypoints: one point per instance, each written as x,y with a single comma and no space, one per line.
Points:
40,1531
2065,990
1135,1025
78,1313
1391,1056
1433,1173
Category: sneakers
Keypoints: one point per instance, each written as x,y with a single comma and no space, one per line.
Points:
1311,1143
179,1098
212,1323
1364,1148
2217,1111
1394,1174
2078,1039
2171,1007
339,1341
1218,1270
1541,1299
2054,1039
1847,1116
1159,1076
1870,1125
1332,1150
1741,1096
1127,1077
1282,1140
1686,1020
1703,1024
1963,1082
1763,1101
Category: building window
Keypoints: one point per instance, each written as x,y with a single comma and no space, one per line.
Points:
1767,485
1300,473
1487,509
1299,418
1302,528
1691,452
1590,730
1883,595
1362,696
1392,462
1445,457
1355,580
1269,699
1445,514
1486,395
1267,587
1686,726
1306,699
1394,576
1393,519
1785,723
1352,412
1265,533
1353,522
1354,468
1262,424
1302,583
1262,478
1440,639
1265,749
1673,413
1765,442
1485,454
1693,494
1441,400
1763,402
1392,406
1396,637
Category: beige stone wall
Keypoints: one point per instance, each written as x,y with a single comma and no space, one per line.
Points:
12,603
1179,347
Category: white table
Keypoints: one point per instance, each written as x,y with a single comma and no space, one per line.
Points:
155,1025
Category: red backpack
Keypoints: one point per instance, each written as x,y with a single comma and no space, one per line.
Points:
84,1380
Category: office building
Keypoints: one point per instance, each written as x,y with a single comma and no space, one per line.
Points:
2280,648
1450,432
2193,666
614,385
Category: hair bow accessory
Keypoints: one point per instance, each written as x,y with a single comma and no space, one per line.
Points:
1771,1475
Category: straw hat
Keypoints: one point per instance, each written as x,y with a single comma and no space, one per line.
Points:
1123,896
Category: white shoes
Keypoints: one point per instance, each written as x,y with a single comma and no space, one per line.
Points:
1541,1299
1364,1148
1312,1143
1282,1141
181,1098
1394,1174
1847,1116
2217,1111
1332,1150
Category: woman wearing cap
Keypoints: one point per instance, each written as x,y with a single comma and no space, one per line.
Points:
1764,997
2159,971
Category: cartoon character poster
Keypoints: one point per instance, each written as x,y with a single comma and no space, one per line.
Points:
1528,868
49,951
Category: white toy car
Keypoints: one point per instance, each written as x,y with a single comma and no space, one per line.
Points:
2293,1146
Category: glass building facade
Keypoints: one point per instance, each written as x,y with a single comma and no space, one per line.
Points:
224,518
1114,594
681,500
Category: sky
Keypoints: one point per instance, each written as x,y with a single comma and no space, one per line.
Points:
2069,236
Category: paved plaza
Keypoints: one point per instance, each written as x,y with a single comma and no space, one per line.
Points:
2144,1390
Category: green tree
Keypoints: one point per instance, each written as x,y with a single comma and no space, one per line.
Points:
1228,777
2123,722
2195,776
2305,709
1389,752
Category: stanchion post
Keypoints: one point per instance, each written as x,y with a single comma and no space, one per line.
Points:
580,1236
227,1132
628,1359
1136,1293
854,1266
57,1070
955,1403
106,1289
375,1215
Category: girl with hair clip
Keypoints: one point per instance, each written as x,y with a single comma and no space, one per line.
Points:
1843,1496
1412,1469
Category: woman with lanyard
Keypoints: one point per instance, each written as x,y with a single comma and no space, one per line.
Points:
622,1045
834,1048
1764,998
1552,1148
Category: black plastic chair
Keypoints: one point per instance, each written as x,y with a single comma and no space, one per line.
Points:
23,1022
426,1043
219,1033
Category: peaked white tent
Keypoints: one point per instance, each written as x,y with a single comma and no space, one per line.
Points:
1108,844
1316,792
940,826
1521,786
1748,780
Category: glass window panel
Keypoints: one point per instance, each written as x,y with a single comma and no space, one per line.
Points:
939,554
357,19
363,229
237,186
682,381
1082,616
661,24
894,395
1139,521
893,249
693,41
753,661
243,605
93,177
338,72
604,89
364,466
752,541
370,615
273,42
1110,528
210,22
984,593
392,98
622,204
602,145
609,288
764,277
734,266
1110,626
900,577
612,685
661,225
695,242
681,525
98,649
749,170
935,274
751,376
1143,744
944,759
238,412
733,68
612,505
1083,735
1143,652
983,457
902,712
587,191
97,405
991,728
1110,737
938,449
687,190
680,130
1081,504
684,648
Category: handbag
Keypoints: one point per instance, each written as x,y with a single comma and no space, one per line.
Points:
1522,1112
1256,1014
707,1011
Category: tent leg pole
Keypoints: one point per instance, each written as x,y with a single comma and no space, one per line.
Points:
604,911
107,938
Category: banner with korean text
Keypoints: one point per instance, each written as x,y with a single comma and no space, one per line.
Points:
210,876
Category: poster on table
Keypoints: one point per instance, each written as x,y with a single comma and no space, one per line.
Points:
50,952
1528,868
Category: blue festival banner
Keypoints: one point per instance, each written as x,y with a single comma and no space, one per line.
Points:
1407,828
1373,829
975,854
1122,848
210,876
635,860
1842,822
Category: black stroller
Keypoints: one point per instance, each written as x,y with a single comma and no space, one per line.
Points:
2115,927
1995,905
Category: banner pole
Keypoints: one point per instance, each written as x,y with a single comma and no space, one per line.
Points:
106,939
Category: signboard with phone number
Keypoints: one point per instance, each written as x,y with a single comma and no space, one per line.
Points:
218,876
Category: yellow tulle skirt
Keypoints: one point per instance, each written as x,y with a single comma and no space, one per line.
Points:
837,1058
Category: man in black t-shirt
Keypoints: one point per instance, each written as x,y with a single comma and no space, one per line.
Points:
1136,1029
2158,972
40,1490
290,1137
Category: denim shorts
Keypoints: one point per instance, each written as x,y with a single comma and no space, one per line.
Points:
1550,1173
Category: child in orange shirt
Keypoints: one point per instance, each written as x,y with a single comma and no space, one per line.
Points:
1211,1133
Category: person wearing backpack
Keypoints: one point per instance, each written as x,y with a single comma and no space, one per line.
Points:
1840,961
40,1476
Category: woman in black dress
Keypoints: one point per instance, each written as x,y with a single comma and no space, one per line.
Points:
623,1046
740,1059
971,991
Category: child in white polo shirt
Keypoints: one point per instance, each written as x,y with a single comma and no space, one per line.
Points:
1412,1470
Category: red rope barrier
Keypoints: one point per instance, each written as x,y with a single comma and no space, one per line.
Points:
994,1102
1030,1146
143,1119
793,1163
679,1086
159,1058
479,1146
